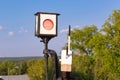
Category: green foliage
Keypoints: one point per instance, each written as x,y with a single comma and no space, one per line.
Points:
6,68
105,49
83,67
21,67
13,68
81,37
37,69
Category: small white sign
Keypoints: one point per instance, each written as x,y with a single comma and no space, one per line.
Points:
66,60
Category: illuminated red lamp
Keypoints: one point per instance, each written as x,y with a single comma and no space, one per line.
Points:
46,24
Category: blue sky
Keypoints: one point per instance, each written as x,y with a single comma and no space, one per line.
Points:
17,22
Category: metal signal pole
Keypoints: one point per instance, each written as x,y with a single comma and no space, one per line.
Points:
45,52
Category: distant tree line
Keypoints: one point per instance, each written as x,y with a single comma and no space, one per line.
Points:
35,68
20,58
15,65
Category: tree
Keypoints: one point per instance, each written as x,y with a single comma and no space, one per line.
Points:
37,69
6,68
80,39
20,67
107,49
111,29
104,47
83,64
82,67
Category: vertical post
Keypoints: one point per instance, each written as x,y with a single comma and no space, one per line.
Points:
46,58
68,43
67,65
45,52
8,73
69,37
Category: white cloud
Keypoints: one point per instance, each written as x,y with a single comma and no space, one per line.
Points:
64,30
77,26
1,27
22,30
10,33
